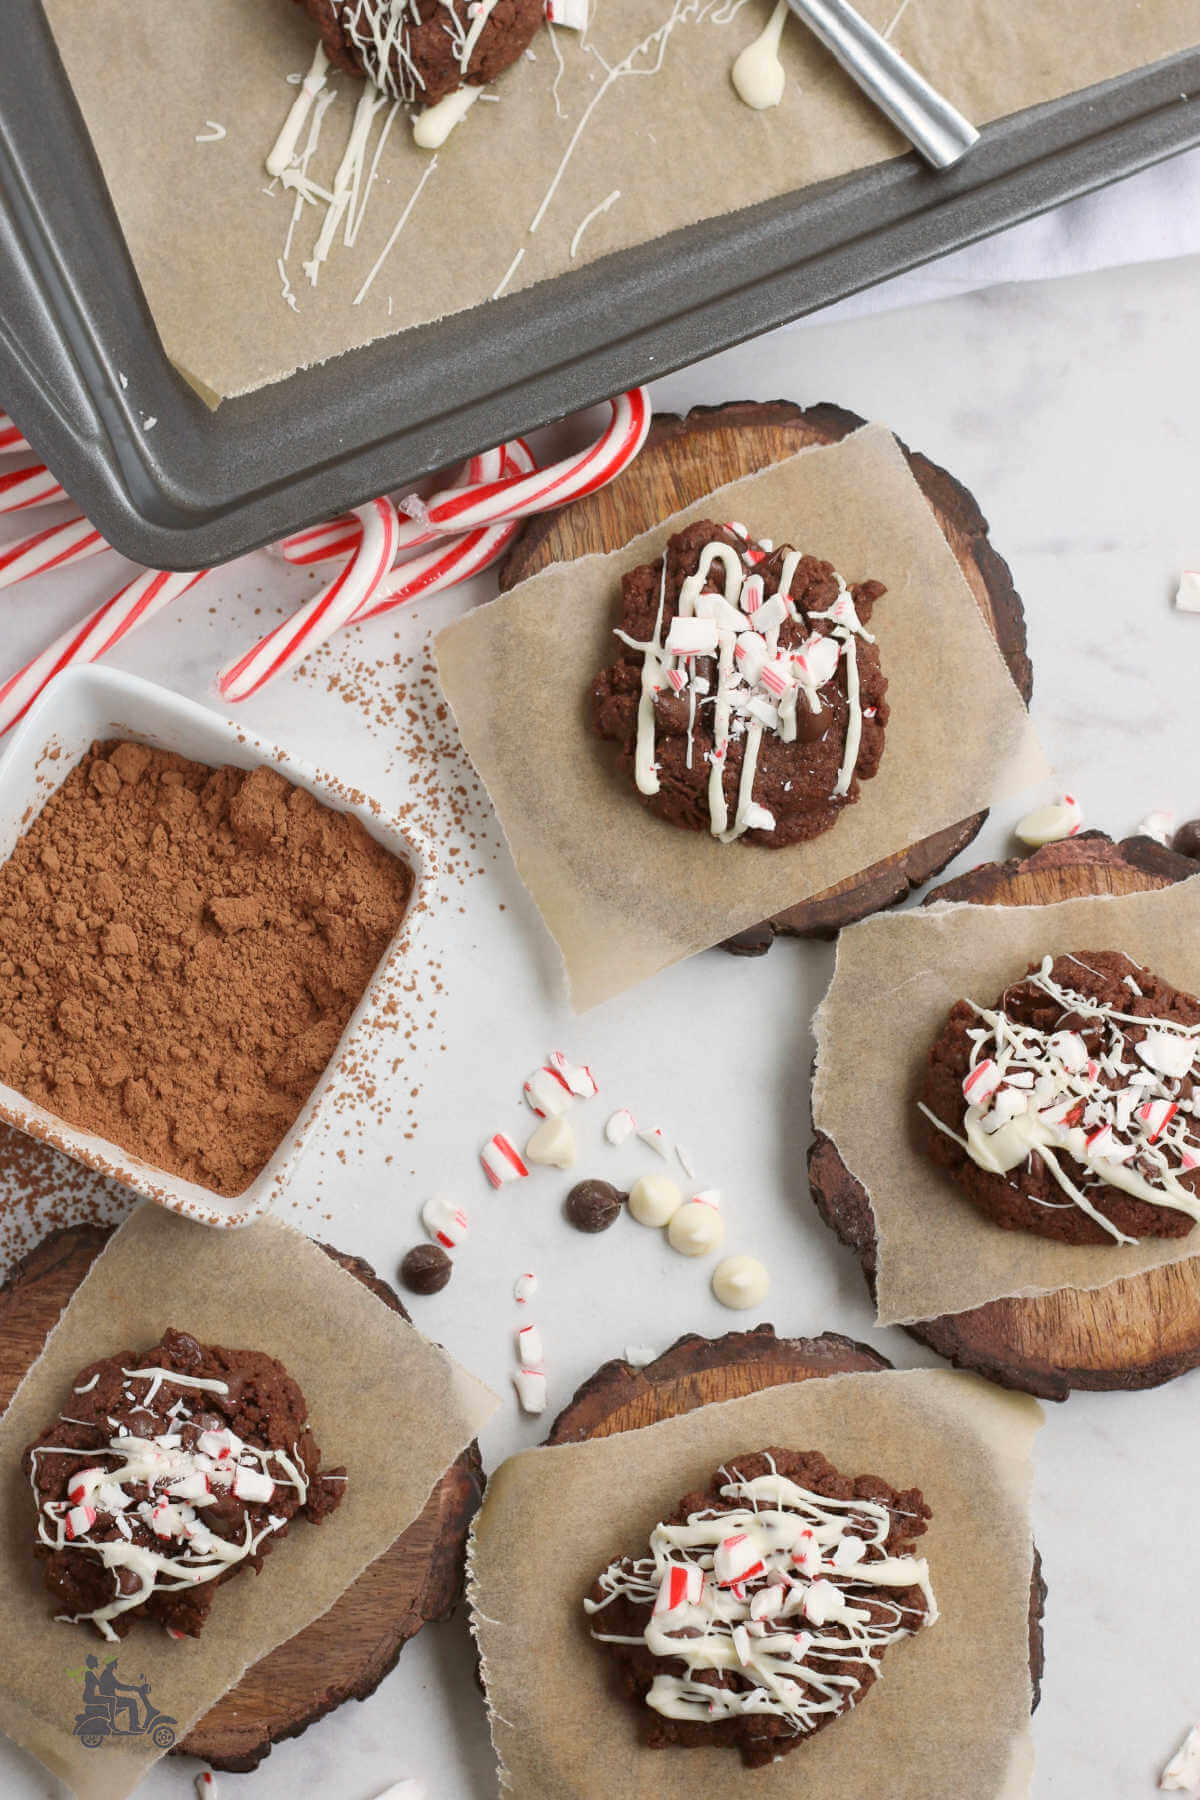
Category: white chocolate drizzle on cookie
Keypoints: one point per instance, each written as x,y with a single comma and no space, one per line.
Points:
758,686
1116,1108
161,1487
756,1590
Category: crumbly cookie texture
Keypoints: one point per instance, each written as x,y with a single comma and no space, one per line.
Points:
167,1472
421,50
748,700
1070,1107
765,1604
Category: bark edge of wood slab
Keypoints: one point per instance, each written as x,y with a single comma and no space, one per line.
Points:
681,461
614,1398
1036,1345
417,1581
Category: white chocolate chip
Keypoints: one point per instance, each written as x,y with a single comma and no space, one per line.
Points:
697,1229
653,1199
740,1282
552,1145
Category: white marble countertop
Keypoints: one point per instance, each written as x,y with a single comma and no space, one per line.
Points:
1072,411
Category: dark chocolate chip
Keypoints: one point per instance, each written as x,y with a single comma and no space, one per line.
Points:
1187,840
812,725
426,1269
593,1205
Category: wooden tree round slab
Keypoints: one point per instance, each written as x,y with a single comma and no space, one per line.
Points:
682,460
698,1371
343,1655
1133,1333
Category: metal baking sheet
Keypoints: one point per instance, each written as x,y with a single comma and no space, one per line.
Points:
205,486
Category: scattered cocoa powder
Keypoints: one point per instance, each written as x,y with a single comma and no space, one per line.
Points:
180,950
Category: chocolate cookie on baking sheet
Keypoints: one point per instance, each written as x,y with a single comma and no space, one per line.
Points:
765,1604
421,50
1070,1106
167,1472
748,700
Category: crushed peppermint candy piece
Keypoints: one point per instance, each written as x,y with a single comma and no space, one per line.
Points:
1182,1773
751,596
1050,824
1158,825
577,1076
252,1484
638,1355
981,1082
531,1390
80,1520
737,1559
572,15
445,1222
547,1093
691,637
206,1782
1167,1053
501,1162
525,1287
682,1585
1070,1050
1187,594
620,1125
758,818
685,1161
530,1350
1156,1115
656,1140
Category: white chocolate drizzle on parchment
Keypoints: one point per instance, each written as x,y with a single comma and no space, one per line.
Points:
753,686
180,1483
343,205
1115,1109
755,1591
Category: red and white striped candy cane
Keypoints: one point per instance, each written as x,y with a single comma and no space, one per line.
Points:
137,602
455,560
337,537
10,436
53,548
336,605
32,485
514,497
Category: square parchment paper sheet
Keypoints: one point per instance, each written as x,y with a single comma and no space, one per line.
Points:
382,1400
640,117
953,1699
895,980
625,893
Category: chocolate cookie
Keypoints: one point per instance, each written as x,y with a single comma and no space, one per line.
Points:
1069,1107
749,699
421,50
765,1605
184,1464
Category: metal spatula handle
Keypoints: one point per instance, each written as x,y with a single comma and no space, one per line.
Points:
934,127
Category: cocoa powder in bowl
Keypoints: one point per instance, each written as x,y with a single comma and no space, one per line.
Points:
180,950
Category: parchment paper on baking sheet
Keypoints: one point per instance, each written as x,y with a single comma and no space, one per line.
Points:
382,1400
624,893
896,978
597,143
954,1698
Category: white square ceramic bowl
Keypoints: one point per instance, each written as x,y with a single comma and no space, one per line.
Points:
86,703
